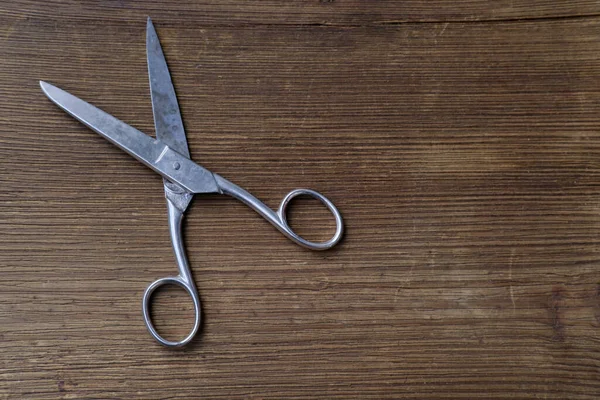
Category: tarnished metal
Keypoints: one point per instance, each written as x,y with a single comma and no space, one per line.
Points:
169,156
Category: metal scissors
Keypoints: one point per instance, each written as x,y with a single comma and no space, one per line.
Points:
169,156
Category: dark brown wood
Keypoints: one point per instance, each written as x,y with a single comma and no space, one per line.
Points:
461,142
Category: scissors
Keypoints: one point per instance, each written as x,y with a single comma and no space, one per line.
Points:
169,156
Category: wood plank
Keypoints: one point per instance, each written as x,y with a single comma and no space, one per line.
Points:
463,157
278,12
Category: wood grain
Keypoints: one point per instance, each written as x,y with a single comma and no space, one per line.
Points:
460,142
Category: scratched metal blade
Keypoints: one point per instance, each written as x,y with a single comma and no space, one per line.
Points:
167,117
129,139
151,152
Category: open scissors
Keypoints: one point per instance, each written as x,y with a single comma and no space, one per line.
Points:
168,155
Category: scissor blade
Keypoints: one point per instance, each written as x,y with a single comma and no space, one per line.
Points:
153,153
167,117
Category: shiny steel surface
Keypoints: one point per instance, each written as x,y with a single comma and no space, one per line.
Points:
169,156
153,153
168,125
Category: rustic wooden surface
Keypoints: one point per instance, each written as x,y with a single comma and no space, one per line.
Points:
460,140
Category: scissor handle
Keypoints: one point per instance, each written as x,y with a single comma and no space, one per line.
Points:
190,289
282,214
184,280
279,218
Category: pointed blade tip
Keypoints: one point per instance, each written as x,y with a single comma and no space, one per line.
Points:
46,87
149,24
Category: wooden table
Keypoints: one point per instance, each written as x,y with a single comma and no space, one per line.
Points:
460,140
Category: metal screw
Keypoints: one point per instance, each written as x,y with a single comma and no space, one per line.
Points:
176,165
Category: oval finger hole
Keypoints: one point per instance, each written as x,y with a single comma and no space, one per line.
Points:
310,218
172,312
